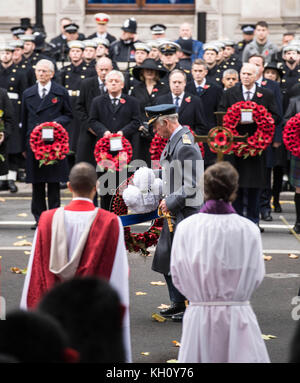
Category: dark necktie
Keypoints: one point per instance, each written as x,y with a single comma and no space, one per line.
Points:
177,103
248,98
101,87
44,91
114,103
199,90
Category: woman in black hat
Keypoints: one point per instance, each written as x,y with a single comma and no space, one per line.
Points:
272,72
150,87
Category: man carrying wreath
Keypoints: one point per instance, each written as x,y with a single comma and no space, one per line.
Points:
252,170
46,101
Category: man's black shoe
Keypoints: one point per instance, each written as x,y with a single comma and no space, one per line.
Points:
33,227
12,186
177,317
175,308
297,227
277,208
3,185
267,217
21,175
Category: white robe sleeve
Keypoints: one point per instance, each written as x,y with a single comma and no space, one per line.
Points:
23,304
119,280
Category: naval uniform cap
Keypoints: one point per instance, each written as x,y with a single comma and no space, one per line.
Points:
153,44
76,44
169,47
17,43
6,47
219,44
90,44
16,31
211,47
71,28
158,29
27,38
142,47
154,112
101,18
101,41
229,43
291,47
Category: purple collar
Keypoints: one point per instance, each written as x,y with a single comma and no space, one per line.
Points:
217,207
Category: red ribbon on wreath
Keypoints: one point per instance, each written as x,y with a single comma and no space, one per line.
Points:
49,153
135,242
291,135
158,144
106,160
262,137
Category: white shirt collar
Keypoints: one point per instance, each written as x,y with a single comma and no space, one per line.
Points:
252,90
102,36
47,87
259,81
202,83
180,96
82,199
118,97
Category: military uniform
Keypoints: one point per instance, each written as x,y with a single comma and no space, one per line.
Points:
290,77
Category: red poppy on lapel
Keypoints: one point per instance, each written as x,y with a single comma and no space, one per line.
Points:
264,83
259,95
188,99
54,100
155,90
122,101
266,53
206,86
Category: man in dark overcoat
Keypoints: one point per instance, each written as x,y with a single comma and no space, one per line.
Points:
252,170
7,125
44,102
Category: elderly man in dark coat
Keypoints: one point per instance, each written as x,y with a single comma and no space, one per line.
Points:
44,102
253,170
182,169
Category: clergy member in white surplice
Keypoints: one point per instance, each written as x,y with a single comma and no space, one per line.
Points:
78,240
217,263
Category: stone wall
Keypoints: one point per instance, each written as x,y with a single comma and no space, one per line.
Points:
224,17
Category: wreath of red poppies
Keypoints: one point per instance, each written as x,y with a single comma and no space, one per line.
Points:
107,161
135,242
262,137
49,153
291,135
158,144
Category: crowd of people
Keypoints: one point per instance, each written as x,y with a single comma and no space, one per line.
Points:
101,85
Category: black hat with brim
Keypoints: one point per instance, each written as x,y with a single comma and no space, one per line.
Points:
273,65
148,64
154,112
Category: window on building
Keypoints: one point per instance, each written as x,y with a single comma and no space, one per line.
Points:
141,6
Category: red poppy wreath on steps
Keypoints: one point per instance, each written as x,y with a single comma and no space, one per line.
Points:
158,144
104,157
262,137
291,135
49,142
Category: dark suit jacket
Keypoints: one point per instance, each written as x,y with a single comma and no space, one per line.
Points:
36,111
190,112
252,171
88,91
9,126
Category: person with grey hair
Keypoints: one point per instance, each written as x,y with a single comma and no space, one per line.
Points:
252,170
46,101
230,78
115,112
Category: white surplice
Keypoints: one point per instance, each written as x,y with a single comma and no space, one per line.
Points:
217,259
75,224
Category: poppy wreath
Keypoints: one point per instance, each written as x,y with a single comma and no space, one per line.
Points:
135,242
49,153
220,139
291,135
158,144
262,137
104,158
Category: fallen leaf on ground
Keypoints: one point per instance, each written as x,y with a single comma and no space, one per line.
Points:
172,361
163,306
268,337
21,236
158,317
293,256
159,283
22,243
16,270
22,215
140,293
2,199
267,257
27,252
145,353
176,343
